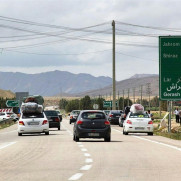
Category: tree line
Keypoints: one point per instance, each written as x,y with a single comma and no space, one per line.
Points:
86,103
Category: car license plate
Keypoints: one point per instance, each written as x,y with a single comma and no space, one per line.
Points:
139,128
93,134
33,123
117,116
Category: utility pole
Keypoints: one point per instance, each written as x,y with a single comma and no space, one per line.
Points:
134,95
123,100
128,96
148,91
113,68
110,96
141,91
118,100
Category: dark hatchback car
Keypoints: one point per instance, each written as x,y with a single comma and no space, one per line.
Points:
53,119
113,116
92,124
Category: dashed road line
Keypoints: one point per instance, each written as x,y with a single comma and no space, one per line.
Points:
77,176
87,154
83,149
88,160
86,167
6,145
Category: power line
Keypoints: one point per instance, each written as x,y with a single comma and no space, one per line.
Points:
118,52
60,53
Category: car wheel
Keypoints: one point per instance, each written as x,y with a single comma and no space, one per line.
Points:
59,128
76,138
107,139
70,122
19,134
47,133
126,133
123,131
151,134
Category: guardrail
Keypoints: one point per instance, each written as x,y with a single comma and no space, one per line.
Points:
6,121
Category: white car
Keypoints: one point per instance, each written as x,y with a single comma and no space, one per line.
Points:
5,115
138,123
33,123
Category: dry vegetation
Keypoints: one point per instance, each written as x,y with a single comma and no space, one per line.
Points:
6,94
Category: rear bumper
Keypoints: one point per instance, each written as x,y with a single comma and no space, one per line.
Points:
84,133
133,129
114,120
41,129
54,124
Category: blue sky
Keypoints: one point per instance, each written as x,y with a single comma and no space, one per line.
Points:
83,13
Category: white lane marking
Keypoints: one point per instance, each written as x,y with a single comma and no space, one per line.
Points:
8,132
88,160
9,144
87,154
83,149
86,167
160,143
76,176
156,142
81,145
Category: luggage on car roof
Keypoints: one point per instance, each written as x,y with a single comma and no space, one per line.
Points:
137,108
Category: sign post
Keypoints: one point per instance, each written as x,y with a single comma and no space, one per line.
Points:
169,70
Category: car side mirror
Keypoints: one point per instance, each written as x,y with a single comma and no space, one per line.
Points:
152,119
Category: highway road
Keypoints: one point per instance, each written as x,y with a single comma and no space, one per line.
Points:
56,157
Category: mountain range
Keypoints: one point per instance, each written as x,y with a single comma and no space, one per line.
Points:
52,83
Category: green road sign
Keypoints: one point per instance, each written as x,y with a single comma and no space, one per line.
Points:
12,103
109,103
170,67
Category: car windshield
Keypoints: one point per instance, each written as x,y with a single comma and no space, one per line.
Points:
39,115
136,115
93,115
75,112
51,113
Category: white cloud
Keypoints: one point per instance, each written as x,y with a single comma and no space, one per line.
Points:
82,13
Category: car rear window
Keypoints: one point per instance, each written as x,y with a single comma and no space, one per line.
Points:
75,112
51,113
2,114
26,116
93,115
136,115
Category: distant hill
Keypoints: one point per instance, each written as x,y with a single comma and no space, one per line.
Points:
6,94
134,82
52,83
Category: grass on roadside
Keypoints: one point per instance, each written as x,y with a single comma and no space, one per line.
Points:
5,125
175,134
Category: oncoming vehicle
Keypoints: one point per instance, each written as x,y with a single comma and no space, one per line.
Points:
53,119
33,123
73,116
138,123
92,124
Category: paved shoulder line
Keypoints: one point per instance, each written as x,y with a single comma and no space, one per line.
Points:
6,145
156,142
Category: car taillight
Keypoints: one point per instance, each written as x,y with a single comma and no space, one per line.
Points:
45,122
129,122
107,123
71,117
111,115
124,115
79,122
57,119
21,123
8,116
150,122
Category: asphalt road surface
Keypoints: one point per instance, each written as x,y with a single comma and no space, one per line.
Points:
56,157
